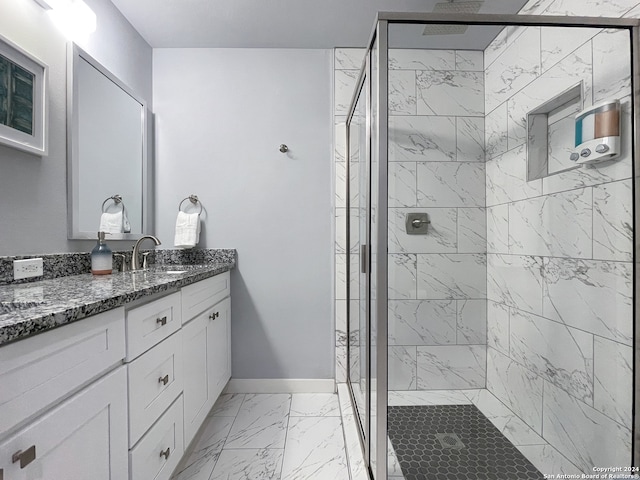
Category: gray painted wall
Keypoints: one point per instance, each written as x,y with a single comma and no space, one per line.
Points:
221,115
33,198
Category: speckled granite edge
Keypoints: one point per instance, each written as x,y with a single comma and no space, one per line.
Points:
85,295
58,265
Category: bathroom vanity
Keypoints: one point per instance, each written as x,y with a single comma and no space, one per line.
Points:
121,387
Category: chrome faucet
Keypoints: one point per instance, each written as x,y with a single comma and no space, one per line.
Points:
135,261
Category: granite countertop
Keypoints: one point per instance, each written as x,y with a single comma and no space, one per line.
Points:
30,308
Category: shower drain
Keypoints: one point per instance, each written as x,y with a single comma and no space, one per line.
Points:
450,440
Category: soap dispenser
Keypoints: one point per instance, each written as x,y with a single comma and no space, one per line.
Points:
101,257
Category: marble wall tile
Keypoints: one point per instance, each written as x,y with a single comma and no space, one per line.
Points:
611,65
613,388
470,60
471,322
516,281
402,92
341,230
441,237
588,176
515,386
561,144
428,397
341,277
451,367
457,276
340,184
261,422
506,178
348,58
450,93
560,354
496,48
344,85
422,322
496,131
402,276
422,139
554,225
533,7
596,8
402,368
315,449
548,460
470,139
498,229
634,12
590,295
341,364
498,326
341,322
340,141
421,59
570,71
558,42
613,221
459,184
472,230
578,431
402,184
511,426
516,67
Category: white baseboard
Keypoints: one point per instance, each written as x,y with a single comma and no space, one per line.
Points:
280,385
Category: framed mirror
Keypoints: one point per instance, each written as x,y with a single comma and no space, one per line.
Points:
108,161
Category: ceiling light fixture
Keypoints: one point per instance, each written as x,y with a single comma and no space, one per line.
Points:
73,17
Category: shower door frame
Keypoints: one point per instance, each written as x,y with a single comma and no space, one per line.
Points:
380,34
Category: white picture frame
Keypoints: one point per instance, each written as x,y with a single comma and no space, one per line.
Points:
23,118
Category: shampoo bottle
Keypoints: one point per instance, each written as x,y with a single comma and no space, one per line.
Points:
101,257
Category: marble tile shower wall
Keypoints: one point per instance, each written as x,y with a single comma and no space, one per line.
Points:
437,322
437,282
559,249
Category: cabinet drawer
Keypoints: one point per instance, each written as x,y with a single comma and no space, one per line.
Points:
38,371
149,324
199,296
85,437
155,380
159,451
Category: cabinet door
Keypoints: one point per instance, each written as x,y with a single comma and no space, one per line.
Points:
84,438
218,349
196,396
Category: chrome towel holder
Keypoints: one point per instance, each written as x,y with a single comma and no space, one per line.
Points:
193,199
117,200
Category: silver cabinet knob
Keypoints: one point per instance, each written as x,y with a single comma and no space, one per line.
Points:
284,148
165,453
164,380
24,457
161,321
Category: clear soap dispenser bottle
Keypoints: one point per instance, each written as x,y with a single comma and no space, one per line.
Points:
101,257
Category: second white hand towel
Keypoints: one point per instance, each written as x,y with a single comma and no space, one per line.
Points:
187,230
111,222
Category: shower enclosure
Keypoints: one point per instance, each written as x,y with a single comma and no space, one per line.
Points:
490,259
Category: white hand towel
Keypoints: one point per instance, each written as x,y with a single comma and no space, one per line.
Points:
111,222
187,230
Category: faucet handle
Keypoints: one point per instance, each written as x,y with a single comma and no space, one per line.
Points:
145,258
123,265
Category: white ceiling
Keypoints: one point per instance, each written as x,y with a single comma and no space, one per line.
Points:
285,23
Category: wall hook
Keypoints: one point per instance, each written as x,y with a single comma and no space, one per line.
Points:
284,148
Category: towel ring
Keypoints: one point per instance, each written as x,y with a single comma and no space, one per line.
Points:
193,199
117,199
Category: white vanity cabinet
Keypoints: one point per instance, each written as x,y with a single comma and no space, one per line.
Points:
207,348
54,422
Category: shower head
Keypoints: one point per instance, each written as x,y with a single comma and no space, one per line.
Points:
451,7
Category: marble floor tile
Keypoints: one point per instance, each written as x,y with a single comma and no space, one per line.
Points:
227,405
254,464
548,460
261,422
314,405
315,450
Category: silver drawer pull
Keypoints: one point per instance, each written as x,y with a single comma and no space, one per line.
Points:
162,321
164,380
165,453
213,316
26,457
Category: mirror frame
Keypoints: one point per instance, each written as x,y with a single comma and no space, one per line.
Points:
74,55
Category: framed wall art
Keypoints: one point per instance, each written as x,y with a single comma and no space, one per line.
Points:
23,99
